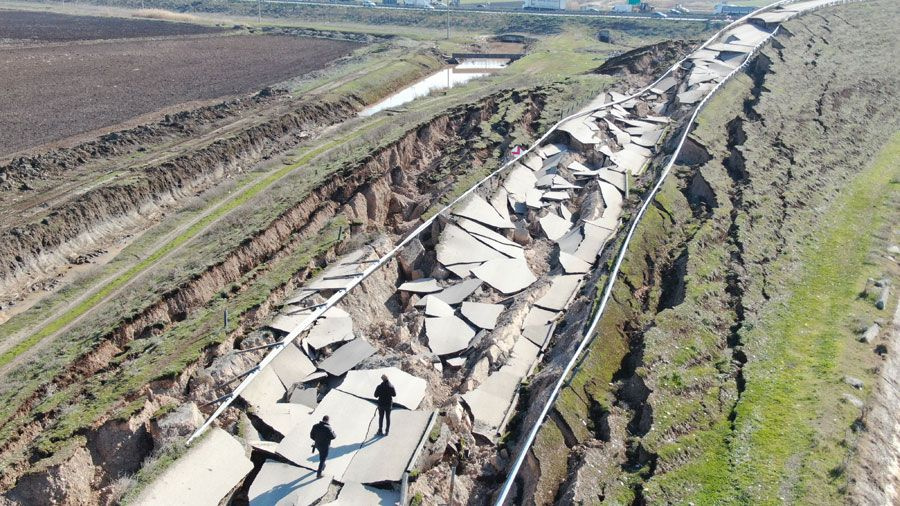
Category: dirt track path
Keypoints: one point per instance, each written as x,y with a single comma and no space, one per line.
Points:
17,348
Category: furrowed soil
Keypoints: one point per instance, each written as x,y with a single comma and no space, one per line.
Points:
728,367
53,91
18,27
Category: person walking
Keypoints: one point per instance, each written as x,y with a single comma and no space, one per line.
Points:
322,435
385,394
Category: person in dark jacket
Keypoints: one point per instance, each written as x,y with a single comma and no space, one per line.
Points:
385,394
322,435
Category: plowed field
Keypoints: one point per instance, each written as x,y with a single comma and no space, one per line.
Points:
54,91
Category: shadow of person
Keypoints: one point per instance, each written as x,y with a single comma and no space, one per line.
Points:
275,494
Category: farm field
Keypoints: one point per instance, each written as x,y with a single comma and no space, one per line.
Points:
16,27
53,91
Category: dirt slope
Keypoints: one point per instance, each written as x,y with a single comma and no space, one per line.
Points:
720,373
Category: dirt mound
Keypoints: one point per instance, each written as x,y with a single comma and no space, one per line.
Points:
647,60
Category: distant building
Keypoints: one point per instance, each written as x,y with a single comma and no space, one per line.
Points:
732,10
622,8
557,5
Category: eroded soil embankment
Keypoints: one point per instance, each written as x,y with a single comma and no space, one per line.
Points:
657,412
387,191
37,249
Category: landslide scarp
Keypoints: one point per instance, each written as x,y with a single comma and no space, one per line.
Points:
684,365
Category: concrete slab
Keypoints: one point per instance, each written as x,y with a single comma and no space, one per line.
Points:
456,361
607,221
286,323
594,240
533,162
538,316
561,183
538,334
482,315
565,213
612,199
328,331
664,85
490,401
613,177
362,383
264,390
347,357
279,484
385,458
508,275
357,494
554,226
448,335
649,139
477,229
283,416
514,251
457,293
533,198
629,160
436,307
556,196
545,181
350,417
292,365
424,285
477,209
579,131
522,356
518,182
308,397
457,246
550,150
204,475
562,290
463,270
572,264
569,242
499,201
731,48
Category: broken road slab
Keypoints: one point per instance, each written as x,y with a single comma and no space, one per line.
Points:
204,475
280,484
362,383
385,458
347,357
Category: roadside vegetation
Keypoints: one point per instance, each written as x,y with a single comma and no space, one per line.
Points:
722,370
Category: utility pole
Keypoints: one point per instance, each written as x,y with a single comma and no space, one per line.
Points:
448,19
259,11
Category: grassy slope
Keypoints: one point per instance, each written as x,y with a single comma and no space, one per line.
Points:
804,224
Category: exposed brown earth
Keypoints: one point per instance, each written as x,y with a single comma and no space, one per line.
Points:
19,26
374,192
53,91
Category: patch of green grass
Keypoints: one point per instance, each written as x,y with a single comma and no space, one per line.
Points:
798,348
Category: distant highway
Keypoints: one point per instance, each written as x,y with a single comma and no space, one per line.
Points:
489,10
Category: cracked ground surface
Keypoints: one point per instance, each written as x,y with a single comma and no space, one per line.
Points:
710,380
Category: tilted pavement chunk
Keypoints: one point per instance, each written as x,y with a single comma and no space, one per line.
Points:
265,389
292,365
424,285
456,246
385,458
204,475
482,315
478,209
349,417
448,335
328,331
508,276
347,357
362,383
283,484
562,290
283,416
357,494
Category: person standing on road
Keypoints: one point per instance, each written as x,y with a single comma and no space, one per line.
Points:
322,435
385,394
